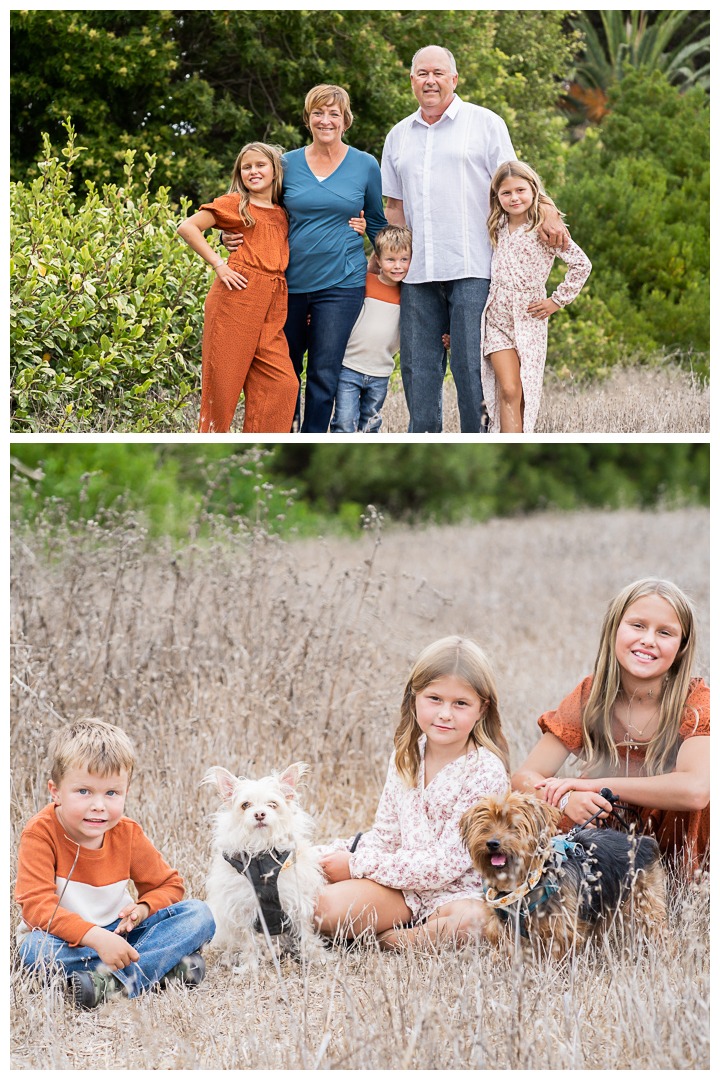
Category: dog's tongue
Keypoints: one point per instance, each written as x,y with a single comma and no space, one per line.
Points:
498,860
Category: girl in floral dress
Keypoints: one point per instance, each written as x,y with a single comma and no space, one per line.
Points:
514,322
410,878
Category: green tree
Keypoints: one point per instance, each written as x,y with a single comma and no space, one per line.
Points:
637,198
631,38
670,42
192,87
452,482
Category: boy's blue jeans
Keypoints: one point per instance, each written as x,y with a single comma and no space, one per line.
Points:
358,401
162,941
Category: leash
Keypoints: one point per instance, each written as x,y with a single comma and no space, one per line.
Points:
262,872
614,800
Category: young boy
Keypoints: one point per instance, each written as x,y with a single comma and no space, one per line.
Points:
369,357
76,858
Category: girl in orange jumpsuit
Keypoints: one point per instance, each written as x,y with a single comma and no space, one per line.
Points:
244,347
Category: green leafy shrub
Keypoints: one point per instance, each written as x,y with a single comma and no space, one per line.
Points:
637,199
106,304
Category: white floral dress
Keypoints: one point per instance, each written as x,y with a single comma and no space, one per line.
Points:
415,844
521,264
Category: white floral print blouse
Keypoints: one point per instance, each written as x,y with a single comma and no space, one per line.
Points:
415,843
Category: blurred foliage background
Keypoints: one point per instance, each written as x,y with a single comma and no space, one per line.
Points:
610,107
306,489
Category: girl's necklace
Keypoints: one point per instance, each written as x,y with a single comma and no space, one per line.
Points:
629,742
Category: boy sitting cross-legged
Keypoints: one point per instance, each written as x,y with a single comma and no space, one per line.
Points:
76,859
369,356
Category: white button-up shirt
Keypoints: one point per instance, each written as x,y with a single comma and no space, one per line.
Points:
442,173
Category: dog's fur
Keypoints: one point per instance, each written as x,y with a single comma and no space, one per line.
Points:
613,874
259,816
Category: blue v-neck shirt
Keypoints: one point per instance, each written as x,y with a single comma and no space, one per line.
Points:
324,251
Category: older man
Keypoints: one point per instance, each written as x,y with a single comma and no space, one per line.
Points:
436,169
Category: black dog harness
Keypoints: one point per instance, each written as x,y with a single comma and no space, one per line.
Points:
262,872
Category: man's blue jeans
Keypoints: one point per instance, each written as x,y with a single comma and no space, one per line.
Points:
358,402
427,311
333,313
162,941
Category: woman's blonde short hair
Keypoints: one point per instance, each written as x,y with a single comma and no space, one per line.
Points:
99,747
326,94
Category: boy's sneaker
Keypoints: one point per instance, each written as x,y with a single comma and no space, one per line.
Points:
88,989
190,970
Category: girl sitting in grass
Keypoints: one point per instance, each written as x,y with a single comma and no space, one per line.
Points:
640,723
410,878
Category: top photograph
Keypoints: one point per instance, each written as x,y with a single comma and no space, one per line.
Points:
360,222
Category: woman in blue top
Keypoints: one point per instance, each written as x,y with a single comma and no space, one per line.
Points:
324,185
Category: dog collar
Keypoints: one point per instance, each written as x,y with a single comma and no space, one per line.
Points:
503,900
262,872
527,897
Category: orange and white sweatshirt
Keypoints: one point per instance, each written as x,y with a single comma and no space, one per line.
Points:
97,890
375,337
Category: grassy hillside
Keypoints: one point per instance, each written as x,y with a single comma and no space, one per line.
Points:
252,654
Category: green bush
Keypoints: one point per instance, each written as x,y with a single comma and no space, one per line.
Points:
106,303
637,199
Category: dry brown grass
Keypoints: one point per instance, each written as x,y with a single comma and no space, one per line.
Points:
250,653
662,398
632,400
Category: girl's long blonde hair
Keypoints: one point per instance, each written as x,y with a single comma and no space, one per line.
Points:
449,656
599,749
536,213
274,156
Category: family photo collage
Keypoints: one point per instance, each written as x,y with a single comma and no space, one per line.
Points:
359,539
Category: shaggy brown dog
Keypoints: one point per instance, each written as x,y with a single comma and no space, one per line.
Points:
543,892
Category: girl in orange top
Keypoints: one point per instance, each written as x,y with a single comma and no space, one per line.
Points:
640,723
244,347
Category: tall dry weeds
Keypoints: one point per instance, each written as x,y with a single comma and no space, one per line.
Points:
634,399
247,652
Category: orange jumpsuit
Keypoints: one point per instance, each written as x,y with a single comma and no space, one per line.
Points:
244,347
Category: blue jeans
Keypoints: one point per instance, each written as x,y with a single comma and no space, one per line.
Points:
162,941
427,311
358,401
333,313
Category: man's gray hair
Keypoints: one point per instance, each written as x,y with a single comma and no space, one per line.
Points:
451,58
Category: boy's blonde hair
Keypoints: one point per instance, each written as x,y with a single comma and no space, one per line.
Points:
100,747
328,94
536,213
599,749
274,155
449,656
393,238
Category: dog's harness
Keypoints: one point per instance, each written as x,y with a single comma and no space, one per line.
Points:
262,872
542,883
539,885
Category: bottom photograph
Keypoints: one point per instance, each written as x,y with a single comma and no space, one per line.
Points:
330,756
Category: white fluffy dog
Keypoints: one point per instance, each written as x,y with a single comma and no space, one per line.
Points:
262,858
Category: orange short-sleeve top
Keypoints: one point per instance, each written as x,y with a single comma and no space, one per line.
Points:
565,722
265,244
